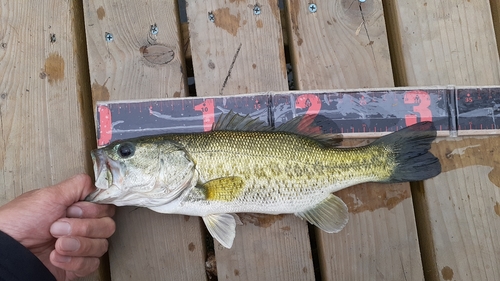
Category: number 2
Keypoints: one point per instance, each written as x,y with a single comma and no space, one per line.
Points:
313,105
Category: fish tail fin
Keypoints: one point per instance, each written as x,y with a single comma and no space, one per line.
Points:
410,147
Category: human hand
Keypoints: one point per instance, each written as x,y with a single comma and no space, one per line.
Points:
66,234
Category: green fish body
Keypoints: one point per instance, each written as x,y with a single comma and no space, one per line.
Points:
244,166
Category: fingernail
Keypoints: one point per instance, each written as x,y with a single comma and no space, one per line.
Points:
60,228
74,212
62,259
69,244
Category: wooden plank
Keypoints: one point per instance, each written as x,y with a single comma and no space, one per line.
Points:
462,209
445,42
135,63
187,44
169,256
495,13
453,43
339,46
241,52
43,96
40,98
343,44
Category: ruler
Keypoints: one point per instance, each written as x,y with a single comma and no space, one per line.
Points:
362,113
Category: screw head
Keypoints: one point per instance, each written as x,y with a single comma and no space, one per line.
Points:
154,29
362,1
256,10
108,36
313,8
211,17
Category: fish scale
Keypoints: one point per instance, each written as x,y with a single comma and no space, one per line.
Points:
244,166
281,171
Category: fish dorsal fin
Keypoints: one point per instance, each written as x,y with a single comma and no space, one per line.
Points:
302,125
222,227
331,215
305,125
223,189
234,122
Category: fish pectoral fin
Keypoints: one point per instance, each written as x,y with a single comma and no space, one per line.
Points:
223,189
222,227
331,215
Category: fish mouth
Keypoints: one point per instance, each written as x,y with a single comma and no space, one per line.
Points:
92,196
116,186
104,178
102,169
109,183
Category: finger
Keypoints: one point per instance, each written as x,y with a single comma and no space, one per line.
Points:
79,266
81,246
92,228
73,189
84,209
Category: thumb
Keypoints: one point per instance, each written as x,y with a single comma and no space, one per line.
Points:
73,189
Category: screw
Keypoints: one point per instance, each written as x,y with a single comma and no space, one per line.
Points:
211,17
108,36
313,8
362,1
154,29
256,10
52,38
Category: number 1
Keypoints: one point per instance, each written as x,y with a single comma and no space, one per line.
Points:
207,109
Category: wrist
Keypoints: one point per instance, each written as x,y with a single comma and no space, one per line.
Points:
10,226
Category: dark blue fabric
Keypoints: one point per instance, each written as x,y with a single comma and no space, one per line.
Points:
18,264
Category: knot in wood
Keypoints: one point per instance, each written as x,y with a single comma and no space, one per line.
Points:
157,54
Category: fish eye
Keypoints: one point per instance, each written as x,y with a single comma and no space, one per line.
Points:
126,150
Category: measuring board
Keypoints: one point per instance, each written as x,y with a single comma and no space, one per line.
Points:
353,113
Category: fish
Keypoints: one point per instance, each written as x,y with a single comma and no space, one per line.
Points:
245,166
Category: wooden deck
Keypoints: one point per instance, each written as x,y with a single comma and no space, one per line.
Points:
58,58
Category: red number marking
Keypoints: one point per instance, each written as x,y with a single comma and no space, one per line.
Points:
207,109
468,98
105,129
362,101
313,105
422,101
256,105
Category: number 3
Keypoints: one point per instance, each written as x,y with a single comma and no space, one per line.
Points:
422,101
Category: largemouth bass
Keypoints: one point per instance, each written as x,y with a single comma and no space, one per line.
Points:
242,165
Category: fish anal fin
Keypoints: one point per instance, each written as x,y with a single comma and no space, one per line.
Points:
223,189
222,227
331,215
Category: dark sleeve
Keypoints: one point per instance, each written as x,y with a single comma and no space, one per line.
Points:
18,263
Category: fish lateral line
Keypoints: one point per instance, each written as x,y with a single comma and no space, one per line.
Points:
243,165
